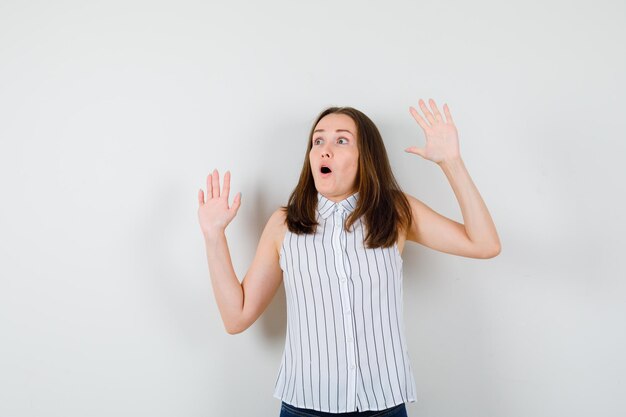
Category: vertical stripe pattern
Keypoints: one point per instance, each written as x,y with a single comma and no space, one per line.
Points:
345,347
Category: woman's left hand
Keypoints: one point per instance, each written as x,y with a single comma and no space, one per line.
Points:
442,139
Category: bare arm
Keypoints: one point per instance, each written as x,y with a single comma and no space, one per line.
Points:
443,234
226,287
477,238
240,304
265,275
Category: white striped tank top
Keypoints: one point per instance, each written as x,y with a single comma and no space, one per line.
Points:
345,347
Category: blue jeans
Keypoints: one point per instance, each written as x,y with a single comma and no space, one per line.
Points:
288,410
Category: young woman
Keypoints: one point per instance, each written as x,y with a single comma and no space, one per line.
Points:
337,248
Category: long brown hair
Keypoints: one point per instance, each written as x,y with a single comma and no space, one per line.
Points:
381,202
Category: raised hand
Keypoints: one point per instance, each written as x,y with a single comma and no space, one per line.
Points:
214,214
442,139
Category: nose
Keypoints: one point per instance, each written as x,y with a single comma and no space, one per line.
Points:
325,151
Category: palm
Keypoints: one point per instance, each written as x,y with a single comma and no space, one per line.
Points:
442,139
215,211
214,214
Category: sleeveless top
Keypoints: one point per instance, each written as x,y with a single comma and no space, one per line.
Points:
345,347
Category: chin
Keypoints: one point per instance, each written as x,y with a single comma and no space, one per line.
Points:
319,186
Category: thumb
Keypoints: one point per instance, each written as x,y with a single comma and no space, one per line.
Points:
415,150
236,203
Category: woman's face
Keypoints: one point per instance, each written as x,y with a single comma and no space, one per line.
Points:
334,156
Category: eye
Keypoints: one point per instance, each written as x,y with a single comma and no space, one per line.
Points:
317,141
342,139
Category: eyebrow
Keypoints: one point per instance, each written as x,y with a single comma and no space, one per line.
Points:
338,130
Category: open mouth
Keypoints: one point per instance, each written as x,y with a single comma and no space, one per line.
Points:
326,170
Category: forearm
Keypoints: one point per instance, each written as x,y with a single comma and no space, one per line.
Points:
226,287
478,223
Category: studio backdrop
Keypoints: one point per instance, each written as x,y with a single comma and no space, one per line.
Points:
112,114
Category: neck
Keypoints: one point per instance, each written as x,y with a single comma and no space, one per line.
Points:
338,198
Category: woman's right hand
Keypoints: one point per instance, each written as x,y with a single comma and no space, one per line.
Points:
214,214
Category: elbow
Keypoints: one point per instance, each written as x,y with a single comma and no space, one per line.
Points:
233,330
492,252
236,328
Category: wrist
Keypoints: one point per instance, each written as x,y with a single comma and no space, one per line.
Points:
212,234
449,162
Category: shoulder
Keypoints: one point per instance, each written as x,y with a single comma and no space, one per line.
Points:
277,221
410,198
417,206
417,210
276,227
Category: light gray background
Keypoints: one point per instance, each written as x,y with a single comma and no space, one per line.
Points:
112,113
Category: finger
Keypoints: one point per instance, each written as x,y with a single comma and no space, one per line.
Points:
226,186
418,118
236,203
433,106
415,150
209,187
446,111
215,183
427,112
200,197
